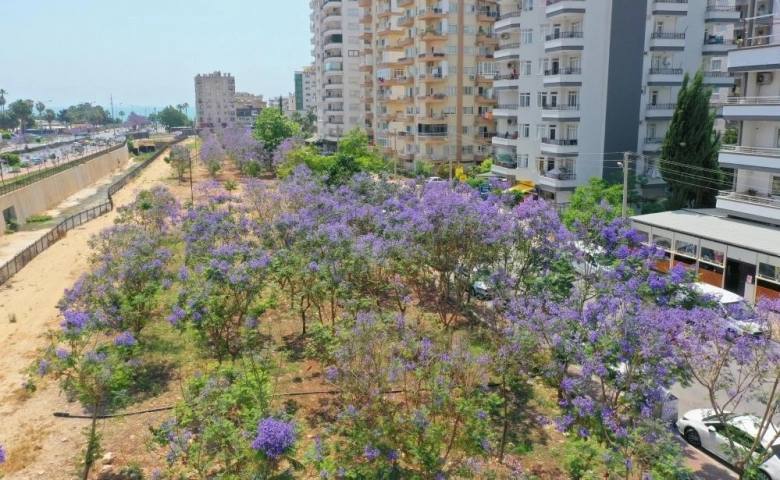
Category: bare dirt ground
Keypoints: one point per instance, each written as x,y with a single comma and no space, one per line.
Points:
40,445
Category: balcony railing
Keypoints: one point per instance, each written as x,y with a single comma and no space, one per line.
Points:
507,46
486,134
510,15
661,106
747,198
569,142
553,2
563,71
753,101
671,1
432,134
557,35
714,40
763,151
560,107
507,106
654,140
666,71
435,54
559,175
719,8
506,76
668,35
718,74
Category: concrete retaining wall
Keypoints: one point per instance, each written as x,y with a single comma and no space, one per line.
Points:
49,192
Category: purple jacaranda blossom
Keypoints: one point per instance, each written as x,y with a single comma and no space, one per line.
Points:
274,437
370,452
125,339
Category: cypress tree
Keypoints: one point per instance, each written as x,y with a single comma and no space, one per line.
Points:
689,155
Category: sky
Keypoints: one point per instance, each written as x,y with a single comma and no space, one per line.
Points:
146,53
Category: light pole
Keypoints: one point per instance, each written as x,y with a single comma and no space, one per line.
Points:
624,164
450,159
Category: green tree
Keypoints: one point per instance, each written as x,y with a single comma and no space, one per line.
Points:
12,159
586,202
3,93
731,136
271,129
21,111
7,121
171,117
689,157
306,121
49,116
41,107
121,115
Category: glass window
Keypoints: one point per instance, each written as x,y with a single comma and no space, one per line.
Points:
776,185
769,272
525,99
712,256
686,248
663,242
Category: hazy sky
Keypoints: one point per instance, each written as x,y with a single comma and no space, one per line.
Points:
146,52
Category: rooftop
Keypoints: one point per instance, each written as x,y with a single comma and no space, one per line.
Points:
714,225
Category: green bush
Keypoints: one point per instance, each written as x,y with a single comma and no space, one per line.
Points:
582,459
38,218
6,136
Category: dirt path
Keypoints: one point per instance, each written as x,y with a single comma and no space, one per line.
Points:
38,444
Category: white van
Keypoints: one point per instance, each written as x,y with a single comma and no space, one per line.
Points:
732,305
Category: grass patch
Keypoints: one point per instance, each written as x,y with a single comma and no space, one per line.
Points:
24,452
38,218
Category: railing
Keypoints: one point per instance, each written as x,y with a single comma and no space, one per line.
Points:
553,2
510,15
434,54
671,1
718,8
718,41
661,106
486,134
11,267
563,71
560,208
37,177
718,74
507,76
325,2
668,35
767,152
752,101
507,46
569,142
558,35
747,198
654,140
432,134
559,175
506,106
485,98
560,107
666,71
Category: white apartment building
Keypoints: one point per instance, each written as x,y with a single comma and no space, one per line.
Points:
580,81
736,246
305,89
215,103
428,78
336,51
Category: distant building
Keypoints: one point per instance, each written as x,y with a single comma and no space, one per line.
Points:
244,99
305,88
247,115
215,99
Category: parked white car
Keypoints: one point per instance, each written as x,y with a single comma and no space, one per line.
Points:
435,180
702,428
737,312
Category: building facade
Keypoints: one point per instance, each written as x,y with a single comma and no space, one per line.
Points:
580,81
215,99
336,51
737,245
427,78
305,86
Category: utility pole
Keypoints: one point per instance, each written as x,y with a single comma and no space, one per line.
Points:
113,118
625,184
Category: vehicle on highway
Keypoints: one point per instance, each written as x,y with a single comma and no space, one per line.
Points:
703,428
738,314
435,180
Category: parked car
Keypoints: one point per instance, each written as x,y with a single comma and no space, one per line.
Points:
738,314
703,428
435,180
36,160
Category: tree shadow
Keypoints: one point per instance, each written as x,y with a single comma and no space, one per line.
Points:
524,430
713,469
295,346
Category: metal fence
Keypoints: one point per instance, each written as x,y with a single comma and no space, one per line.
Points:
37,177
8,269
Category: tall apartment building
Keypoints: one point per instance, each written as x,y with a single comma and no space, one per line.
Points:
427,78
580,81
215,99
305,87
336,51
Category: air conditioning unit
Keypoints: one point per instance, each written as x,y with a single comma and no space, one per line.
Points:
472,77
764,78
504,36
509,64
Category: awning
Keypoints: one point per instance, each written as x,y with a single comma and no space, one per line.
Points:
313,139
522,187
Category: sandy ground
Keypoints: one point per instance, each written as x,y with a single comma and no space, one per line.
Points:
44,444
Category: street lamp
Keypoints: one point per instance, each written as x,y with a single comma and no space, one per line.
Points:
624,165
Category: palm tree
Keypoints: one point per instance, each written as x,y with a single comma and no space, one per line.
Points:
180,107
41,107
122,115
3,93
49,116
186,109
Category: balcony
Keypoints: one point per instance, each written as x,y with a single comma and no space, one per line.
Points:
505,161
563,77
752,58
717,45
334,71
719,79
366,35
432,55
670,7
405,42
508,21
564,41
431,13
506,140
406,21
404,3
752,108
563,8
752,158
485,100
560,147
561,113
432,77
484,137
366,67
751,206
486,16
365,3
667,41
431,34
505,110
367,18
330,3
432,119
436,137
385,12
659,111
435,98
486,37
334,98
557,177
664,76
724,14
507,51
509,80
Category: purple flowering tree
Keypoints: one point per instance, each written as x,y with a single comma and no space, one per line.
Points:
240,145
212,154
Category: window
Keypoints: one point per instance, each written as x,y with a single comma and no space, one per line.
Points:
574,99
353,53
544,64
715,66
685,248
541,131
452,49
469,70
467,90
525,68
541,99
453,29
775,185
352,11
467,129
525,130
450,90
353,26
468,50
525,99
449,110
663,242
571,132
453,8
522,160
467,149
544,30
470,29
526,36
766,271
